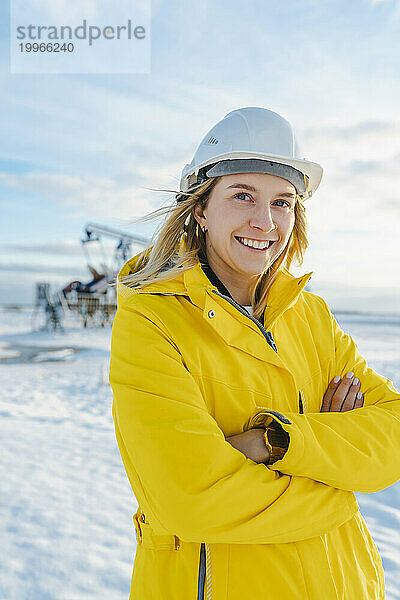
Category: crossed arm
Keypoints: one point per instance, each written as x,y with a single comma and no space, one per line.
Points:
358,450
341,395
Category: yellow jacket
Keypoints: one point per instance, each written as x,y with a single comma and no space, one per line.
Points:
188,369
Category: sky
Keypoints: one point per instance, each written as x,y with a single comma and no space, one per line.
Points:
97,148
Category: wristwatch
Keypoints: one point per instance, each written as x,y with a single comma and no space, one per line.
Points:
277,441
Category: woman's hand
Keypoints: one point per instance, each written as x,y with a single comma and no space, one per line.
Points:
251,443
343,394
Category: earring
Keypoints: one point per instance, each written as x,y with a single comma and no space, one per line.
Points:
204,229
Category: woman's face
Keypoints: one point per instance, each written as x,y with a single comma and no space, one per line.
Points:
253,206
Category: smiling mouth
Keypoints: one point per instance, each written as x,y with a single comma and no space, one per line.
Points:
256,249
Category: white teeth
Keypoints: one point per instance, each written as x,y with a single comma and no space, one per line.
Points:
254,243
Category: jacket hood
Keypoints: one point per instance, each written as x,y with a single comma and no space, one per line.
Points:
160,287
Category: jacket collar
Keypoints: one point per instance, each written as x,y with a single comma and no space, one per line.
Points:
199,281
212,276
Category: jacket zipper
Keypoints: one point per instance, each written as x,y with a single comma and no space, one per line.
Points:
202,572
266,334
204,584
302,402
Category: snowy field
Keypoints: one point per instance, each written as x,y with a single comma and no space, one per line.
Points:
66,504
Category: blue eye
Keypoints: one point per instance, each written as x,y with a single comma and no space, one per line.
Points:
285,202
241,194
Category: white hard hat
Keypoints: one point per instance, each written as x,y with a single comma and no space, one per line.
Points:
255,140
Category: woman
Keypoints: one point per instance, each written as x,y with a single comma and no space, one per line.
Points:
242,447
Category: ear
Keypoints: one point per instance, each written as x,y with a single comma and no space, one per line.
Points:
199,215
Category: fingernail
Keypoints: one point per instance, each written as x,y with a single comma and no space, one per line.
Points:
349,375
355,382
359,395
336,379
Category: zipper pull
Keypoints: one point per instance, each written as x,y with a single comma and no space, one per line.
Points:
272,341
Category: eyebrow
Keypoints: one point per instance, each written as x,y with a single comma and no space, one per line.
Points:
246,186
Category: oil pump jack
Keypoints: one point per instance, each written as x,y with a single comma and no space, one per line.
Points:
94,301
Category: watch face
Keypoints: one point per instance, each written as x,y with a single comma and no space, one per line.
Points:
277,441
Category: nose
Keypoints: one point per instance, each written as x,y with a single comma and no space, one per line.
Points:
262,218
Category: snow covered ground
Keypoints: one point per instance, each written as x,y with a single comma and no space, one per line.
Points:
65,503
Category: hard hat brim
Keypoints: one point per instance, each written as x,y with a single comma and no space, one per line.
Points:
313,171
256,165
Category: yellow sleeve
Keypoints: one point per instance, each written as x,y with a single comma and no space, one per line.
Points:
357,450
184,473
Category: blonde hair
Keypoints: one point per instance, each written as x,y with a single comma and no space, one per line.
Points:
168,257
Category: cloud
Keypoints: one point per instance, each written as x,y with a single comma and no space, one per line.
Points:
64,11
38,268
358,201
99,197
394,5
376,184
367,140
86,128
361,162
370,129
363,167
70,11
67,248
56,247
